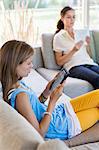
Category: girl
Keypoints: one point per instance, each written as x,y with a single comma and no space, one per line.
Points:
63,120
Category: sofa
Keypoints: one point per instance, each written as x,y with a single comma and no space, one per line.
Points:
17,134
15,131
47,67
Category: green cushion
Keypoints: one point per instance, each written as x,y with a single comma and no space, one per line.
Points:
96,43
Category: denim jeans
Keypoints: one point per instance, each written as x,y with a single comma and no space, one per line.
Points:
89,73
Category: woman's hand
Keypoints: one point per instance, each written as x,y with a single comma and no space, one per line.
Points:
56,93
78,45
87,39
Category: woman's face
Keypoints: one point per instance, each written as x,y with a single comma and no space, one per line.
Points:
68,19
24,69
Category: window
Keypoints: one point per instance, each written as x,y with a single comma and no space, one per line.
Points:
93,14
27,19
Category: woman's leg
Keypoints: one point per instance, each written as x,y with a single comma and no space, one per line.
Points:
88,118
87,73
86,101
94,68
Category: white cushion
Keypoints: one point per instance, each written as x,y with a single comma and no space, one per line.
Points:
36,82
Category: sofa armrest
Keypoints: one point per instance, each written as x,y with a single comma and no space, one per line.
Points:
53,145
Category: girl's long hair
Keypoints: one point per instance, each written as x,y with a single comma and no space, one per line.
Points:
60,24
12,53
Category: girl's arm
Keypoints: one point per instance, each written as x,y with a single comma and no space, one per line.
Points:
24,108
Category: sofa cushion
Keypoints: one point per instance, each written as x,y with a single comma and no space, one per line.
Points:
15,132
47,51
73,87
90,146
36,82
96,43
53,145
89,136
37,57
92,46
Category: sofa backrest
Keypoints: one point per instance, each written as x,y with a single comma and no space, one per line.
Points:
96,44
48,53
92,46
37,58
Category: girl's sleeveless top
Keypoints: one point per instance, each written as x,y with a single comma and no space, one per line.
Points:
64,123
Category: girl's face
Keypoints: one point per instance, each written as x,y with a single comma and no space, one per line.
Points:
24,69
68,19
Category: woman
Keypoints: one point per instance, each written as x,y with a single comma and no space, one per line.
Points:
52,121
73,55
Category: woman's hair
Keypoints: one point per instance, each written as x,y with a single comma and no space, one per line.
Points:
12,53
60,24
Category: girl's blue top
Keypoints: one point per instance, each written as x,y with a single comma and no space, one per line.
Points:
60,124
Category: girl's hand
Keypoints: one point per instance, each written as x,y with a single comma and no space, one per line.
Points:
56,93
47,90
87,39
78,45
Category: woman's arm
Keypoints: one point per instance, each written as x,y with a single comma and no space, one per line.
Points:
62,59
24,108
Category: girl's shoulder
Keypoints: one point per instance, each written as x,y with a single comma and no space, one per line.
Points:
23,88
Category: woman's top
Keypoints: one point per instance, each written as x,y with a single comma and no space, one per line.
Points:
63,42
64,123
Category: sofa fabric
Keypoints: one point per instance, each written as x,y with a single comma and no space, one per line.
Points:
73,87
36,82
37,58
91,146
53,145
47,52
89,136
96,43
15,132
92,46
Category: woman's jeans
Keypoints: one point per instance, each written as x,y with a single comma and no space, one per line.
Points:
89,73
